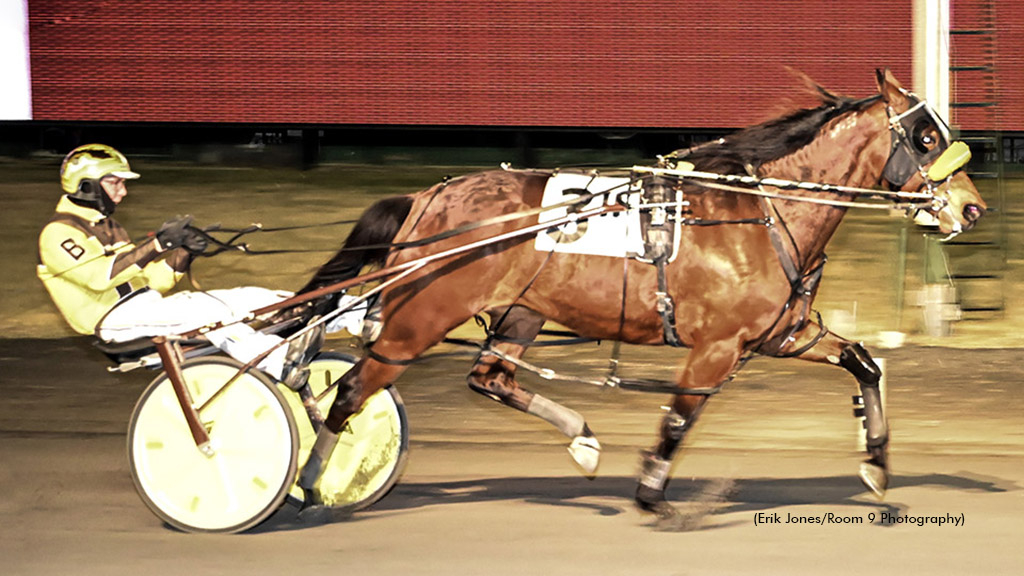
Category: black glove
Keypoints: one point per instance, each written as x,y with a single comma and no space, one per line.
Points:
196,242
174,233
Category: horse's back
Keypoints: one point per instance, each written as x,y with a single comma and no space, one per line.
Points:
471,199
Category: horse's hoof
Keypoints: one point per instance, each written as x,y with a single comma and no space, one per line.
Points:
652,500
664,511
874,477
586,453
315,514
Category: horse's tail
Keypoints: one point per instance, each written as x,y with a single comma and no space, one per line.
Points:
368,243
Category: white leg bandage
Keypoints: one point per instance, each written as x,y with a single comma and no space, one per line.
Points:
568,421
654,471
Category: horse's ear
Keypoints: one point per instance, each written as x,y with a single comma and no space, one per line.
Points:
890,88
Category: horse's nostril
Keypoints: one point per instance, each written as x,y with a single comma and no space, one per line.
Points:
972,212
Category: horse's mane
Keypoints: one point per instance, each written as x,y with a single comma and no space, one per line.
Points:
760,144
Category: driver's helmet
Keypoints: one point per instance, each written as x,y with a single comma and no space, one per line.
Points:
82,169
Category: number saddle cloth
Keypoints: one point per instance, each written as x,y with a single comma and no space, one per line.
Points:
644,232
648,230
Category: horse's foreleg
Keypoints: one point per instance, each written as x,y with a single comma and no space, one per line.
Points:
706,365
656,464
495,378
832,349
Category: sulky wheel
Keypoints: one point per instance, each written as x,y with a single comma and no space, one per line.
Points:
371,452
254,440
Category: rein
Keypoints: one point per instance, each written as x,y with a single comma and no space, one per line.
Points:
739,184
232,244
735,183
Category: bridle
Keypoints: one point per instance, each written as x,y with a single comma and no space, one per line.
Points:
912,132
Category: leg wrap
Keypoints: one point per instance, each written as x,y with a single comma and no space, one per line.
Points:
568,421
318,457
858,362
654,471
874,419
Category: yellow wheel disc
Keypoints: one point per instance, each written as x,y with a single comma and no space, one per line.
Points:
254,441
371,452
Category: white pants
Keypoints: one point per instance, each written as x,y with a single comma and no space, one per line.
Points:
150,314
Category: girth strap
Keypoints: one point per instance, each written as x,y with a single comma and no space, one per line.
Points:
666,308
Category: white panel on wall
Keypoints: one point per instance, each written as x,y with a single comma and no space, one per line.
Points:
16,94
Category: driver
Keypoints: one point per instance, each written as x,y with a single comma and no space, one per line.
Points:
105,284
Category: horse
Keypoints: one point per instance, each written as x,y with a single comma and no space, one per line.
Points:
740,289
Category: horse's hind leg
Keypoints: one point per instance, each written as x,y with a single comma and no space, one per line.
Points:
515,328
398,345
354,388
832,349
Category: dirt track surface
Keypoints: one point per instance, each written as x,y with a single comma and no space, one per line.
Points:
491,491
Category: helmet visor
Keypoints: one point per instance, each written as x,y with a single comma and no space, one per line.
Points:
126,174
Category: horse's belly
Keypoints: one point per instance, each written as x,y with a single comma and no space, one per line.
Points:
585,294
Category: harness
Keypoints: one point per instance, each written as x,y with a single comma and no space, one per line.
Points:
660,242
919,138
660,239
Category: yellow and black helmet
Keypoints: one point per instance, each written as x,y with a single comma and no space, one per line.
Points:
82,169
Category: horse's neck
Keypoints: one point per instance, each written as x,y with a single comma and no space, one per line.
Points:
838,156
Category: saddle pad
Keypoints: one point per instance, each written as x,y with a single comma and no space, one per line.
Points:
616,234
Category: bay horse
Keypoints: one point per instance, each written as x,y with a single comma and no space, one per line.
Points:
740,289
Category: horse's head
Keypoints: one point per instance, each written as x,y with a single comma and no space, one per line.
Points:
922,158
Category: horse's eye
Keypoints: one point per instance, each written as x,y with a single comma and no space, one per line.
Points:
925,137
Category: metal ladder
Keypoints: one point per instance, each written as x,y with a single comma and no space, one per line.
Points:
977,260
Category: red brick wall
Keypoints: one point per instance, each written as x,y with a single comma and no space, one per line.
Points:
1001,48
627,63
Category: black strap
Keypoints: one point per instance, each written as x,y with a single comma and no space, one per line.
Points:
664,387
390,361
789,266
622,308
666,308
566,339
824,331
703,222
257,227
